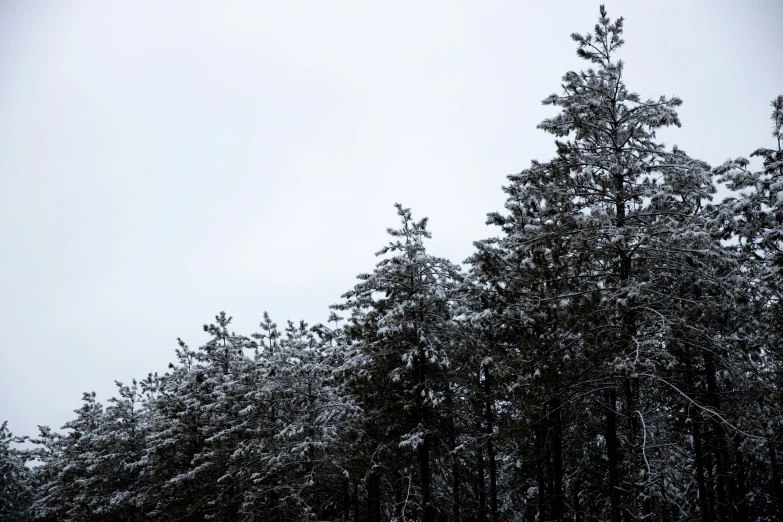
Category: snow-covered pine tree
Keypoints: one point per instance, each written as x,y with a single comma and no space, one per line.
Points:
47,452
752,219
176,423
223,395
481,380
16,480
115,479
301,459
592,243
70,462
400,338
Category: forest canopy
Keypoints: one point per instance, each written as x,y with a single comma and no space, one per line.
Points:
613,353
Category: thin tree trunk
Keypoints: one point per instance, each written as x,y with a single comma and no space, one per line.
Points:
480,489
400,490
424,471
493,488
611,449
558,500
723,462
374,498
490,427
370,500
423,451
346,501
541,469
722,471
455,478
377,487
741,499
634,448
482,496
550,482
711,482
704,506
355,498
776,485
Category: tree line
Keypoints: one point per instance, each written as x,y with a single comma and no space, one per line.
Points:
613,354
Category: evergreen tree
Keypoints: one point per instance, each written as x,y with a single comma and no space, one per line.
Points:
16,480
115,479
400,341
593,241
753,220
64,493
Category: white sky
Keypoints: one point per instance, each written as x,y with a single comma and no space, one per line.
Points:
163,161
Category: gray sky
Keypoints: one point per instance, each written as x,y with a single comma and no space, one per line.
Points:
160,163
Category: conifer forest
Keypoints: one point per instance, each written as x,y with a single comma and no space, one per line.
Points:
613,352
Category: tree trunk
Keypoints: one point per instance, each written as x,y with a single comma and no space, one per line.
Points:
377,495
710,481
399,492
611,449
424,472
481,493
776,485
741,498
374,498
355,498
704,506
423,451
725,488
480,489
346,501
558,500
455,498
370,500
493,488
490,427
541,469
635,449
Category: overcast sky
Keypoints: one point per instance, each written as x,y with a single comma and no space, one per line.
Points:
162,161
